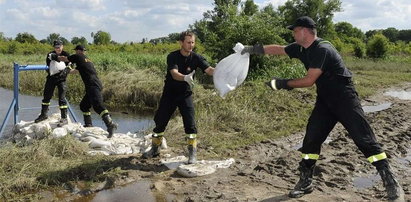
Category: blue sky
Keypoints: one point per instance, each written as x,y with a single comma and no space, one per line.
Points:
133,20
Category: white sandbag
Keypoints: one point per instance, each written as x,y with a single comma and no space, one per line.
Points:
203,167
98,143
231,71
55,67
174,162
59,132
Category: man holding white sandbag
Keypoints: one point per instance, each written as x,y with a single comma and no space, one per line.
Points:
337,101
56,77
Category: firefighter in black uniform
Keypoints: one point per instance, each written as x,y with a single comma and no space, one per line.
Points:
337,101
177,92
56,77
93,97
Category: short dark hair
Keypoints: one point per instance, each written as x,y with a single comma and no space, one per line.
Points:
184,34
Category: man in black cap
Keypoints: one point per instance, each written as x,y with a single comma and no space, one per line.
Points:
93,97
337,101
56,77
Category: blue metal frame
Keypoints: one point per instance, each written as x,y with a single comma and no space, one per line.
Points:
15,102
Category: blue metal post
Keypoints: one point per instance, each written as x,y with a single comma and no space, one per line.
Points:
16,93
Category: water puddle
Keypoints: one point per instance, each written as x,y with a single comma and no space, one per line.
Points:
376,108
403,95
139,191
405,160
365,182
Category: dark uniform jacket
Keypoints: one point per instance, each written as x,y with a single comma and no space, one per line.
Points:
185,65
87,71
335,81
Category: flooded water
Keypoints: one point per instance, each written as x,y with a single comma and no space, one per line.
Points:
127,122
403,95
365,182
376,108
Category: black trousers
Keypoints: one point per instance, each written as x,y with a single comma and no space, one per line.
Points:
168,104
51,84
350,114
92,98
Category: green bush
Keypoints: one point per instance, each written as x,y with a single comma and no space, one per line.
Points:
377,46
359,47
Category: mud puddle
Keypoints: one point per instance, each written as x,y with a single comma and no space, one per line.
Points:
403,95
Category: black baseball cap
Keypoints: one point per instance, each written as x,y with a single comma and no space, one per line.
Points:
303,21
57,43
80,47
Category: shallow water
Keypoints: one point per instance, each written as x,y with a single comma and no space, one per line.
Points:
127,122
365,182
403,95
376,108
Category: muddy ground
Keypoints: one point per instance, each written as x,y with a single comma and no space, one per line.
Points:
268,170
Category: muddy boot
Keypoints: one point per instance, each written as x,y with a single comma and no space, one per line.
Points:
392,187
87,121
43,116
63,120
304,185
192,150
156,141
111,126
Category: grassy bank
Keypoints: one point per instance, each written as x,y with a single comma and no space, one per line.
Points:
249,114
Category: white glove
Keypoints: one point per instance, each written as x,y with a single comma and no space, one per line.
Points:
189,78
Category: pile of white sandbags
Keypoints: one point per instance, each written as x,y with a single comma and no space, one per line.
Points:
96,137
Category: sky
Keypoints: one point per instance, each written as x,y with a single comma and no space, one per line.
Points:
133,20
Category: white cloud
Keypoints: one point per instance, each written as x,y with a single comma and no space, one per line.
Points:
379,14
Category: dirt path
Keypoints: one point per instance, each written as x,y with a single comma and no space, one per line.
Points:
268,170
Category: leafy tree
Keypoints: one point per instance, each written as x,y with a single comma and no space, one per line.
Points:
79,40
391,33
404,35
377,46
346,30
26,38
225,25
321,11
250,8
371,33
101,38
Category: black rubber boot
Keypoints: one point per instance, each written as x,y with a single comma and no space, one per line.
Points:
156,141
304,185
87,121
111,126
43,116
392,187
192,150
63,120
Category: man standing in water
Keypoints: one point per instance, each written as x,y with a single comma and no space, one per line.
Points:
177,92
337,101
56,77
93,97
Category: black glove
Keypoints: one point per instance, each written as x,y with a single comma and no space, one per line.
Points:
53,56
278,83
65,72
256,49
